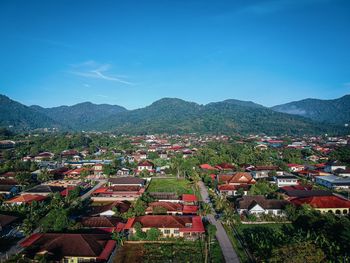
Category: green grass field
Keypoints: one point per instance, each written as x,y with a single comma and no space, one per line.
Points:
174,185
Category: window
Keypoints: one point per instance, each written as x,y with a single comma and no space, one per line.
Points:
167,231
176,231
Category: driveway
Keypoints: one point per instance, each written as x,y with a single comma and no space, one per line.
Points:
225,243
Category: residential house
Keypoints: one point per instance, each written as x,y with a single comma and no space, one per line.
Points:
109,208
333,182
334,165
123,172
293,167
286,180
104,223
6,223
225,167
7,191
25,199
98,169
170,208
189,227
325,204
230,184
259,172
131,181
145,166
43,156
259,205
63,247
43,190
342,172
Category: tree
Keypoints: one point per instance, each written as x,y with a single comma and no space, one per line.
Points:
56,220
23,178
45,176
211,234
176,164
206,209
263,188
139,233
153,234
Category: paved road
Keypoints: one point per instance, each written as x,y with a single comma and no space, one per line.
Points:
221,235
16,249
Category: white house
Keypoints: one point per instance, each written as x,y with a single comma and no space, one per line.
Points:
286,180
259,205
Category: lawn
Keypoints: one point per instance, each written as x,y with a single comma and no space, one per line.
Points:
178,186
161,252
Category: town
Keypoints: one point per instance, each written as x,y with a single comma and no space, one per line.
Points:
104,197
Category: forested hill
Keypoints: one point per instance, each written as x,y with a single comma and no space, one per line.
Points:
179,116
81,116
167,115
335,111
21,118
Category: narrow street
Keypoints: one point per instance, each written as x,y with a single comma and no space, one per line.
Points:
221,235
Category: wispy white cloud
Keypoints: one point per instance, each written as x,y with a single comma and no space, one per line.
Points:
92,69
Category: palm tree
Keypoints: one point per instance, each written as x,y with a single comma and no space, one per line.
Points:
206,209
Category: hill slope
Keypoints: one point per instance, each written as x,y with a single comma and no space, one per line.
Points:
335,111
178,116
168,115
80,116
21,117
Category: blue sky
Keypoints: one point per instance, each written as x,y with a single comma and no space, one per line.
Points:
132,53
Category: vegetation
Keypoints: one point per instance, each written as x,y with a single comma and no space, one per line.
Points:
178,186
329,111
163,116
319,236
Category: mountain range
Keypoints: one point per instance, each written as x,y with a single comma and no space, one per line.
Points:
172,115
335,111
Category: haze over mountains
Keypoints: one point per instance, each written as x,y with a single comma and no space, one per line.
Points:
335,111
173,115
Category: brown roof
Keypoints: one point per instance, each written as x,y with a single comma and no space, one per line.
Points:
237,178
122,207
100,221
168,206
164,196
163,221
247,202
62,244
127,180
6,220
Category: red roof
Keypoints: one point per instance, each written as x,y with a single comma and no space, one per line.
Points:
30,240
294,165
189,198
225,166
65,192
107,250
101,190
26,198
230,187
183,223
145,163
206,166
297,187
190,209
322,201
